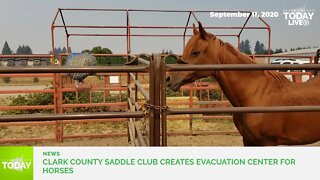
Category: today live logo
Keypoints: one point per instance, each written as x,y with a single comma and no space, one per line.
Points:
299,16
17,164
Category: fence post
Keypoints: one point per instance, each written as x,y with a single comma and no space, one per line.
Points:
163,86
57,101
154,115
190,106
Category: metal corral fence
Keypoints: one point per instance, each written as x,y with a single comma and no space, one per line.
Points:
58,105
59,119
64,85
154,111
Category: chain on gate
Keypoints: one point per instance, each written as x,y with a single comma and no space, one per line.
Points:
145,108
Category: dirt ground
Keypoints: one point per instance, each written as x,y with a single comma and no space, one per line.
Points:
47,131
210,140
16,132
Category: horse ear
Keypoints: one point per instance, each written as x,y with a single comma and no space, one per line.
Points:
195,31
203,32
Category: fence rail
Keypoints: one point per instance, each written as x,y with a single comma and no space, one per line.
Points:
69,69
54,117
241,67
271,109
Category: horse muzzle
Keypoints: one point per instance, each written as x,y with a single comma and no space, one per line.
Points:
175,86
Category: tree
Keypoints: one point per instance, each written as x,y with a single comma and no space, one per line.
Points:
257,48
247,47
58,51
6,49
28,50
167,51
271,51
19,50
263,50
24,50
242,46
105,60
278,51
100,50
86,51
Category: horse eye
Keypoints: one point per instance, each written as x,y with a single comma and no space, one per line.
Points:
195,53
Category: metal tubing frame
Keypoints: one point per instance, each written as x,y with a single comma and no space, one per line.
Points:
163,103
241,67
70,69
157,99
265,109
129,26
54,117
59,117
139,87
151,114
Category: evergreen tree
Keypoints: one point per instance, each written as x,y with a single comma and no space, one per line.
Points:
257,48
28,50
24,50
58,51
6,49
263,49
242,46
278,51
271,51
64,50
19,50
247,47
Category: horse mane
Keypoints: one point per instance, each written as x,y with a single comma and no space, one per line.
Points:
278,77
231,49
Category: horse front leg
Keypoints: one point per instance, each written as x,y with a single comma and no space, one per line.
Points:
237,119
247,142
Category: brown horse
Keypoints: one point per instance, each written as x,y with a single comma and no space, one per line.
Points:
254,88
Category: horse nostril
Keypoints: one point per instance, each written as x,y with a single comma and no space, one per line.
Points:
168,79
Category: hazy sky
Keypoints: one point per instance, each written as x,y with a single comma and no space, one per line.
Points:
28,22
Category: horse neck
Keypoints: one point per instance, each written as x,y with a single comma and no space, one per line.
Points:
238,86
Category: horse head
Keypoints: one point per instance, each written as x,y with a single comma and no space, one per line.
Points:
200,49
